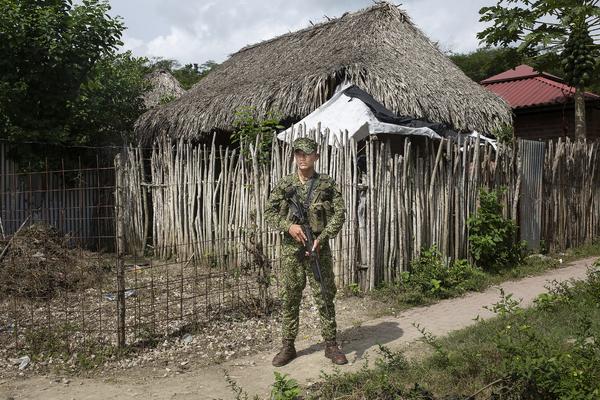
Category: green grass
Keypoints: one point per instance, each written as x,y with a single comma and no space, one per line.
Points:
548,351
399,297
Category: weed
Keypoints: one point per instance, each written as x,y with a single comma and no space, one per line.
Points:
353,289
238,391
506,306
432,277
284,388
441,355
392,360
551,351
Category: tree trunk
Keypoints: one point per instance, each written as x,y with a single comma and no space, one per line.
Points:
579,114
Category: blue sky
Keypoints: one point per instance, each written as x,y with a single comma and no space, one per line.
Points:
197,31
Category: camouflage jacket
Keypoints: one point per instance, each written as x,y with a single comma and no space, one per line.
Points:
326,213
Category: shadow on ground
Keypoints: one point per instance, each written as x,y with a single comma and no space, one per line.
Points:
360,338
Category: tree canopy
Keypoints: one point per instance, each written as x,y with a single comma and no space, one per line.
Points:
485,62
187,74
61,79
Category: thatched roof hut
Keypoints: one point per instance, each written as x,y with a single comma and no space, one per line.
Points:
164,87
377,48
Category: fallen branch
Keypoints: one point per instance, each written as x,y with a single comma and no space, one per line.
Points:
471,397
11,239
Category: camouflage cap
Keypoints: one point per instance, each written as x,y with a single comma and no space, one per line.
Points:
305,144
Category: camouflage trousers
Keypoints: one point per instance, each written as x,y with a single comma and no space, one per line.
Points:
296,270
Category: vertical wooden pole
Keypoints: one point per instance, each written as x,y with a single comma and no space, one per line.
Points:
120,246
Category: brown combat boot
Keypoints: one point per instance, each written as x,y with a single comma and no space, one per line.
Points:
286,354
334,353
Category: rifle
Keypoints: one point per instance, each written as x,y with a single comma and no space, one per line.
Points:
299,215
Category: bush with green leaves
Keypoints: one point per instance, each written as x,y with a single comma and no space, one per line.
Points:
430,274
537,366
492,237
505,135
251,130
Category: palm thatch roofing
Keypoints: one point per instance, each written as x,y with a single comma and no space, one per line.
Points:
378,48
164,87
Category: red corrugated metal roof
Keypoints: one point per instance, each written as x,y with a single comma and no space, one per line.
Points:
524,87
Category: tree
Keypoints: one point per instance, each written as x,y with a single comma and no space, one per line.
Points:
485,62
47,51
61,80
567,29
110,101
168,64
187,75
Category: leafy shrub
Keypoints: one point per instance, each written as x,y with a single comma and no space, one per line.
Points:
250,130
492,237
505,135
558,293
429,274
537,366
367,383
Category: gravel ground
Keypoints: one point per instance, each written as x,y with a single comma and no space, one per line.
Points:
226,338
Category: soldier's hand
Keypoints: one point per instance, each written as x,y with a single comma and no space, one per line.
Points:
297,233
316,246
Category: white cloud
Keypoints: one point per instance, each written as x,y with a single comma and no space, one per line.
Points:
135,45
453,24
196,31
178,44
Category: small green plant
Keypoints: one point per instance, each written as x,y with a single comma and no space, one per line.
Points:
252,131
432,277
535,365
492,237
284,388
538,367
392,360
430,274
166,98
558,293
238,391
507,305
544,248
441,356
353,289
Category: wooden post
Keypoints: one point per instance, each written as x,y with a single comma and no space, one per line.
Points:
120,249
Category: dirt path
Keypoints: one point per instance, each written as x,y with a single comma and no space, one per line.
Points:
255,373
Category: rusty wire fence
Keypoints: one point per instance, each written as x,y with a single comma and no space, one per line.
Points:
57,235
68,283
160,241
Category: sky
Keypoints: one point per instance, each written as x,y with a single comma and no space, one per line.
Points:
193,31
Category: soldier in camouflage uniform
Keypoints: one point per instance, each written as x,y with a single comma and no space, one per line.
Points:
326,216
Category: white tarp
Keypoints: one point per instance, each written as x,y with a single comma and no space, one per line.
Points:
484,139
341,113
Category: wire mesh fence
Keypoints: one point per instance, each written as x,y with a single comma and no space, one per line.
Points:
162,241
58,239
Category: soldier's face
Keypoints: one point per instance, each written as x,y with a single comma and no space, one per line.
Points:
305,162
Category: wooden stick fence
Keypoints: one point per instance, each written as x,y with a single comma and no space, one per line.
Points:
571,193
400,197
201,208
